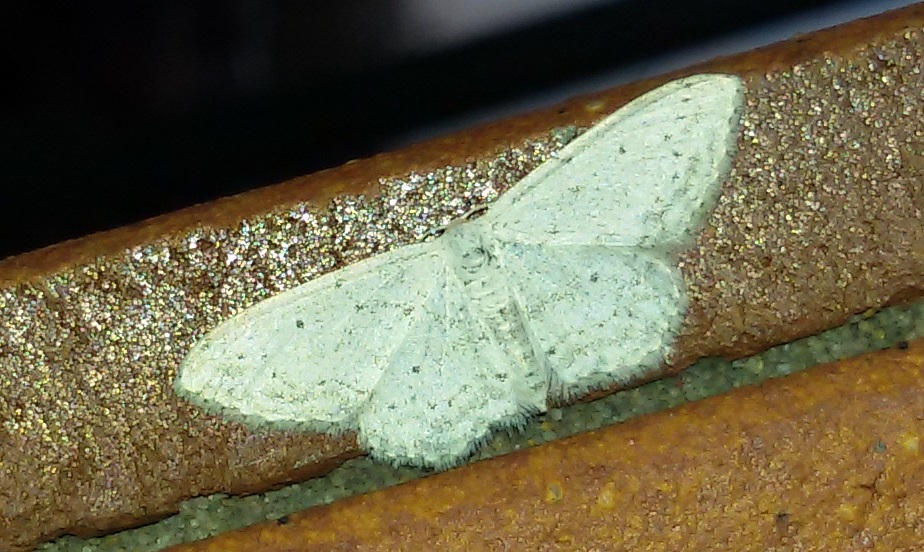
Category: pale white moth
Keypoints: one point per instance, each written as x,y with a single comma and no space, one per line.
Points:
568,282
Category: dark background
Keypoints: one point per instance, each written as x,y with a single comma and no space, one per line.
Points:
117,112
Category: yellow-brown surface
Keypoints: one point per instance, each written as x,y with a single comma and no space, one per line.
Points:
828,459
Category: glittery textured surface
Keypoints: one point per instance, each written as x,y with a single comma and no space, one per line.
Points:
202,517
820,219
89,356
821,216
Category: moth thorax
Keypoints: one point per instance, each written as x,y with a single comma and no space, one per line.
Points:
477,268
472,257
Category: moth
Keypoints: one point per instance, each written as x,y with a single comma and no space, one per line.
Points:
565,284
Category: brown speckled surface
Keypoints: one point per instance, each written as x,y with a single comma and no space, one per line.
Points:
827,459
822,213
820,219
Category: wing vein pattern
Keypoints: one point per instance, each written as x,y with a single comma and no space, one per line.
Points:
567,283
